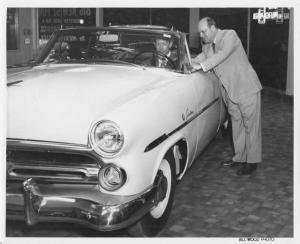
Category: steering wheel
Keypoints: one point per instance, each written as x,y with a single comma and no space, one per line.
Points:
155,55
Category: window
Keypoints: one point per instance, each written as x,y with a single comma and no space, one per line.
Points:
12,29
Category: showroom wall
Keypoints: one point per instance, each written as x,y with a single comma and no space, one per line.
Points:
148,16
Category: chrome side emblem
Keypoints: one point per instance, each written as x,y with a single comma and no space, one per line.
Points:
188,113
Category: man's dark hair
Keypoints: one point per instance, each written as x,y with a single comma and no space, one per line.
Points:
210,21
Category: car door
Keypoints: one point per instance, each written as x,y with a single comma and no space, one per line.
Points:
208,104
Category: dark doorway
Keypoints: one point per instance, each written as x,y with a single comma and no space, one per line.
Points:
269,50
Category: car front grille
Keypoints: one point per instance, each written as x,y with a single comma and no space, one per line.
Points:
51,165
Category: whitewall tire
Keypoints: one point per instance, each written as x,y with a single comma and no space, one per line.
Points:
154,221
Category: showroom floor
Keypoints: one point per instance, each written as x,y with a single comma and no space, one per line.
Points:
212,201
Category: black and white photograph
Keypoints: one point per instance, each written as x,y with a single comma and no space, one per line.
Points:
149,121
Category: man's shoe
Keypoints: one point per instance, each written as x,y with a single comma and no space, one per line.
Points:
247,169
230,163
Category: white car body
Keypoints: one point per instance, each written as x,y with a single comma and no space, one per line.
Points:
58,104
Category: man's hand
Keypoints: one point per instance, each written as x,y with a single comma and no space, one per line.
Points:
196,66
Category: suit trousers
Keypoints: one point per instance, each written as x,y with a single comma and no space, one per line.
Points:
246,127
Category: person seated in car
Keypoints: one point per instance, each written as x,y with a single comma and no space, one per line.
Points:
164,55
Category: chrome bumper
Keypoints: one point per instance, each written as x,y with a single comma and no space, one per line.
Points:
78,203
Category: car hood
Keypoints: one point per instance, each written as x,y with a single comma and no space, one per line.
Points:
60,102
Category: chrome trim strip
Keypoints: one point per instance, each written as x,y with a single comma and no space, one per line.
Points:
14,82
53,172
164,137
47,145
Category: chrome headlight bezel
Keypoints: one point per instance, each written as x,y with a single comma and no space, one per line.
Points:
95,145
104,181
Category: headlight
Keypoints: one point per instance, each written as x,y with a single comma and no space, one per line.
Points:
106,138
111,177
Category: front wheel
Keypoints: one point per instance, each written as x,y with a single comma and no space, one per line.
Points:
154,221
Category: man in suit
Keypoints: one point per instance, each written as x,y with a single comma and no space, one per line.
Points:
164,58
223,52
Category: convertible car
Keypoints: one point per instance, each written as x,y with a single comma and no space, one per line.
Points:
99,135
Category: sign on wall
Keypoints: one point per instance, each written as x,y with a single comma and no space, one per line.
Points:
277,14
51,19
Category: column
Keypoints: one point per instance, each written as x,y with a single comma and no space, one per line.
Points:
99,17
194,19
35,30
248,32
290,65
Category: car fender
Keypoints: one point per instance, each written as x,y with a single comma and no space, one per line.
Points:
167,146
140,164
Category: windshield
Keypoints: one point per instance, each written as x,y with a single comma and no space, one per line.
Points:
114,46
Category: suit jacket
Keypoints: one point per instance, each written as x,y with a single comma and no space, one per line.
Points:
230,63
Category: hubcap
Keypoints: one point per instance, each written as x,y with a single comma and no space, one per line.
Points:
162,187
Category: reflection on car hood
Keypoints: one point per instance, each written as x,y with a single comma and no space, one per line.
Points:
59,102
